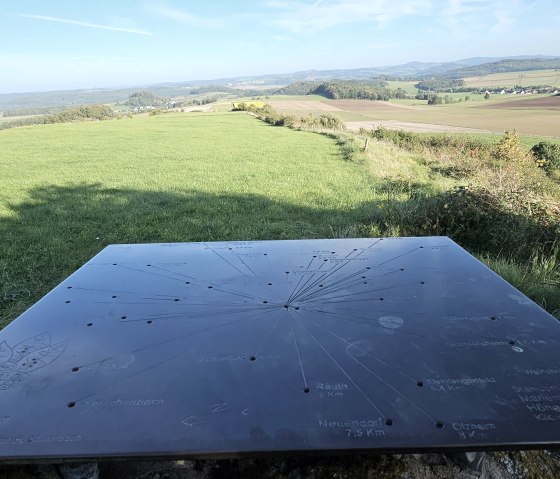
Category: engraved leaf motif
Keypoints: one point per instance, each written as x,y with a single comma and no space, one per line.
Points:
32,344
5,352
9,379
41,357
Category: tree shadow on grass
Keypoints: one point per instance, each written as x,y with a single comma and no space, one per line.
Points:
58,228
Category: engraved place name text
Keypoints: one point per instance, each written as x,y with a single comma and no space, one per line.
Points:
538,372
35,439
124,403
356,428
454,384
542,401
489,344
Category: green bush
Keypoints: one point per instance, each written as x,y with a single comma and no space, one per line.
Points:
547,155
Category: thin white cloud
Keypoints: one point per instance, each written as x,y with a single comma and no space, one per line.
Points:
500,15
304,17
187,18
81,24
308,16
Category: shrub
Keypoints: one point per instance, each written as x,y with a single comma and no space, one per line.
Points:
508,149
547,155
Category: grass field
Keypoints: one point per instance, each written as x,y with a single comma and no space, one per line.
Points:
67,190
509,80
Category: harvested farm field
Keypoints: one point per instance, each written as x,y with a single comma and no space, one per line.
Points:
297,105
542,103
411,126
367,105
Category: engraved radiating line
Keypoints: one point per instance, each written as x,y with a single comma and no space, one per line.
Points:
343,370
305,288
228,262
399,256
119,302
178,338
370,291
386,364
175,272
116,291
148,272
391,272
221,288
247,266
325,292
335,286
178,316
298,355
301,278
274,326
332,271
337,281
347,317
326,274
141,371
378,376
295,291
312,259
389,385
347,262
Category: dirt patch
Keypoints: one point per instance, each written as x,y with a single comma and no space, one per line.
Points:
367,105
546,103
303,105
409,126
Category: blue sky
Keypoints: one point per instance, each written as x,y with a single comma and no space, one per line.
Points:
66,44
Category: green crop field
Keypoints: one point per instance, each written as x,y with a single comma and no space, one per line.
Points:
407,86
67,190
509,80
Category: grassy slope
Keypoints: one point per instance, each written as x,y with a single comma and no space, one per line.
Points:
68,190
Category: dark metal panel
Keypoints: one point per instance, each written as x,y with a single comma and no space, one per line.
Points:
265,347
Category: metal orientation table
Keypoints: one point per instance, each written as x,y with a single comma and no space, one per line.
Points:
275,347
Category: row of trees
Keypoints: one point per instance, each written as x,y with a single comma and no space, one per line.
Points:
439,84
80,113
376,89
325,121
143,99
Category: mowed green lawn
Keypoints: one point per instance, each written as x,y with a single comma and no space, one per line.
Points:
68,190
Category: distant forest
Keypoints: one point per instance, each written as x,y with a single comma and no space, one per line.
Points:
344,89
504,66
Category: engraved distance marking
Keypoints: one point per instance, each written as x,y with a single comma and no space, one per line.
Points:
473,430
356,428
